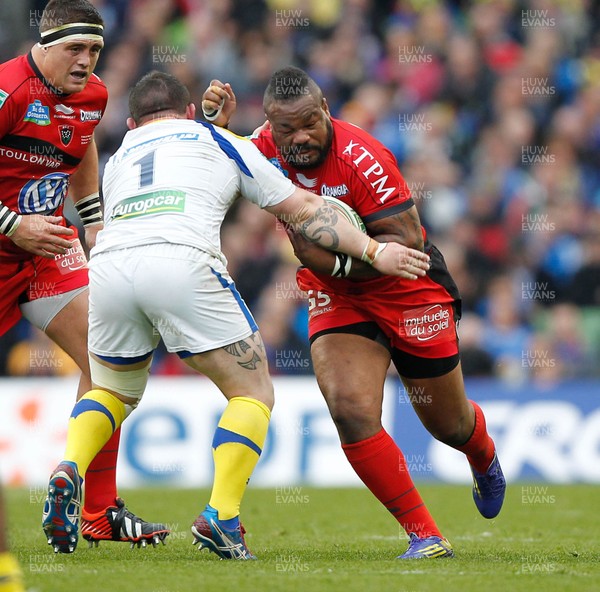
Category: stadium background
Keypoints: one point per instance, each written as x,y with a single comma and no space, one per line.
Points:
493,112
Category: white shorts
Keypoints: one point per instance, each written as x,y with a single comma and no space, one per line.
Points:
178,293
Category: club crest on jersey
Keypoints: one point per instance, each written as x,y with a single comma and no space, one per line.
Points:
37,113
3,97
91,115
66,134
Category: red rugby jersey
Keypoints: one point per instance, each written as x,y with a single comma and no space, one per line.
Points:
44,135
359,170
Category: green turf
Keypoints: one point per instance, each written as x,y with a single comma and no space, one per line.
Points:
324,539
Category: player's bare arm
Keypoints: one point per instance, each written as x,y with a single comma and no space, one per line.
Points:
83,191
319,223
323,261
403,228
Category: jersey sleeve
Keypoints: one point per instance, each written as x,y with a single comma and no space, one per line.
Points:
260,140
9,112
260,181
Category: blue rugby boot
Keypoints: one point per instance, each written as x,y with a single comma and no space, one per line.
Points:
60,519
489,489
427,548
226,542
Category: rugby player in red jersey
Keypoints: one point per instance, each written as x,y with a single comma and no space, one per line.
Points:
50,103
359,320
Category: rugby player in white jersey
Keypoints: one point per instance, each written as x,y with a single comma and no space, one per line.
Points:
157,271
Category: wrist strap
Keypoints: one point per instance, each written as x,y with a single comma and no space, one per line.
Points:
90,209
9,220
372,249
212,115
342,266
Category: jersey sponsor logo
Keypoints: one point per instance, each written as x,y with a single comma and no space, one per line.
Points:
63,112
158,202
45,195
66,133
306,181
371,169
64,109
275,162
318,303
41,159
427,324
72,260
350,147
147,144
90,115
334,190
37,113
3,97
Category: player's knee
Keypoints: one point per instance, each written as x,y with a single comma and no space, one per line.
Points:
453,434
351,418
355,428
267,396
261,390
344,415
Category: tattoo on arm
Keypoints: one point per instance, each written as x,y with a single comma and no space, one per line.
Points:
319,225
250,351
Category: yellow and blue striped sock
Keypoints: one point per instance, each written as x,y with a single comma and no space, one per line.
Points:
11,579
93,421
237,445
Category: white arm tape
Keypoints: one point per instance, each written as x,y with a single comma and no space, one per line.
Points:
9,220
342,266
212,115
89,209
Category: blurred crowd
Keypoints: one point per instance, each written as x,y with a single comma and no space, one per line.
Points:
492,109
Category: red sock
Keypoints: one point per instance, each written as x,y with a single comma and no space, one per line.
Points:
381,465
101,477
479,448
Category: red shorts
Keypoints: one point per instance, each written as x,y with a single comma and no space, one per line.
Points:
25,278
418,317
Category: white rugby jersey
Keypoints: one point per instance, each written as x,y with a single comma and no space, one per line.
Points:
173,181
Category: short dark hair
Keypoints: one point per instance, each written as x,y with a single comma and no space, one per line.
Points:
155,92
290,84
63,12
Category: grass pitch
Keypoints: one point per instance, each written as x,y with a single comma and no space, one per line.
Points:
312,540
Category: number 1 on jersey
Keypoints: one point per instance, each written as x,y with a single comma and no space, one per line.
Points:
146,169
